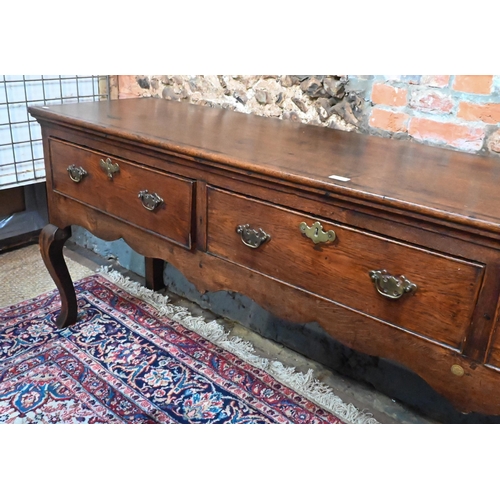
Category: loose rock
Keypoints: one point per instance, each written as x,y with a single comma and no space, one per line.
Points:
143,83
300,104
313,87
240,97
169,93
155,83
494,142
334,87
287,81
344,110
261,96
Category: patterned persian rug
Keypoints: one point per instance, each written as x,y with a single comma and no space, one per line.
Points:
134,358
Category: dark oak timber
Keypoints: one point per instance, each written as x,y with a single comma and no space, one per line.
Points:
227,197
154,273
52,241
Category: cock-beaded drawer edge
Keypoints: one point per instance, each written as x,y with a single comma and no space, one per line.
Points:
218,194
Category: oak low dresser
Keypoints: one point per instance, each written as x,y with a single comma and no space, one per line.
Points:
392,247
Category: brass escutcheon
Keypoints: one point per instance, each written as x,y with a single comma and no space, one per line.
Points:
392,287
252,238
457,370
76,174
109,167
316,233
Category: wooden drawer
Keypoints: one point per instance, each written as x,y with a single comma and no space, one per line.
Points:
119,195
493,355
447,288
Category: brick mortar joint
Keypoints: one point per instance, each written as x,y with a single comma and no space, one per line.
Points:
438,117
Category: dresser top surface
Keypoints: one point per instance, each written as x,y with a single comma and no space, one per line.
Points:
432,181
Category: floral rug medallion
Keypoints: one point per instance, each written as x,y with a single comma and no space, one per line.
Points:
130,358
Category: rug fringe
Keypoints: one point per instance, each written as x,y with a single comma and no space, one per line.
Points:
304,384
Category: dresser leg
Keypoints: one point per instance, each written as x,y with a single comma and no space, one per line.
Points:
154,273
52,241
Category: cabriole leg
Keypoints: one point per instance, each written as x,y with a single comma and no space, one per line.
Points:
52,240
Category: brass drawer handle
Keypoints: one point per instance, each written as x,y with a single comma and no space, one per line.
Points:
316,233
76,174
109,167
150,201
252,238
392,287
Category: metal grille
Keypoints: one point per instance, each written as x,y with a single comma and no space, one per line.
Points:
21,155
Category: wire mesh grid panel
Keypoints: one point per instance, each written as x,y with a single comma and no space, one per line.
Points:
21,155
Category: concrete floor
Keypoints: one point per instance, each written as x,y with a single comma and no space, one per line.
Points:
383,409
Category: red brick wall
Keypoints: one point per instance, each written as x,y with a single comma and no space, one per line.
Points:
453,111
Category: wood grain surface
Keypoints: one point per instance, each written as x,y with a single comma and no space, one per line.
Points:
418,178
429,214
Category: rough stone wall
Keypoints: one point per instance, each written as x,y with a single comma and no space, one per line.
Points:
459,112
315,99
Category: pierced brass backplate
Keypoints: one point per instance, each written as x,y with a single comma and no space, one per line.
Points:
316,233
76,174
252,238
109,167
150,201
392,287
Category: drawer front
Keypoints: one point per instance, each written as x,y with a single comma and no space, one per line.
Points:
166,204
440,308
493,356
